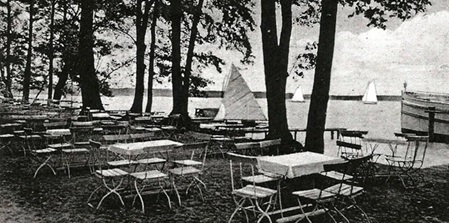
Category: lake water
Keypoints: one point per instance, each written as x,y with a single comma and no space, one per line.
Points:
381,120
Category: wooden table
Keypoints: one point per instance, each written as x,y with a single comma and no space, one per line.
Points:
137,148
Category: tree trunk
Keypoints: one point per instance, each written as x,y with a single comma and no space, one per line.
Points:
176,14
152,56
320,93
51,53
64,75
189,60
8,47
27,73
141,29
275,64
90,90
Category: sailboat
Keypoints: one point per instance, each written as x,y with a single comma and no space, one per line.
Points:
238,103
370,96
298,96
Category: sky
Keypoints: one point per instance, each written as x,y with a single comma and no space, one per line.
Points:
414,51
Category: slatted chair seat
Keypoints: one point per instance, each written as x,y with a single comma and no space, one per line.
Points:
314,194
259,179
183,171
254,192
75,150
122,162
6,136
345,190
188,162
80,144
46,150
154,180
115,172
60,145
149,175
154,160
336,175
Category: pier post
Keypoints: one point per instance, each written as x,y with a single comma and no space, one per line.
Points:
431,124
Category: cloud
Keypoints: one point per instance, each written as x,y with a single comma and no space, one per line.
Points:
415,52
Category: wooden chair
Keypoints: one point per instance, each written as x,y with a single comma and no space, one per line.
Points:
250,197
404,165
350,143
322,200
111,180
189,170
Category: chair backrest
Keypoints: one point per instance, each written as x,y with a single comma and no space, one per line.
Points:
142,136
242,158
350,176
242,161
55,125
417,151
111,139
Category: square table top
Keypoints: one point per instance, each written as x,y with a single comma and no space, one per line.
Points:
137,148
296,164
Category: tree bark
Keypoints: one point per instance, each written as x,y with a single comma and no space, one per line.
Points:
176,15
141,29
51,53
275,64
27,73
152,56
64,75
189,60
90,90
8,47
320,93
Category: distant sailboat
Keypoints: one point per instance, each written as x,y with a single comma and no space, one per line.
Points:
298,96
238,101
370,96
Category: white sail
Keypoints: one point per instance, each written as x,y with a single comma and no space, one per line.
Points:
298,96
238,101
370,96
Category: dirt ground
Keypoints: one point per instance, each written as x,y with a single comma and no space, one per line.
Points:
50,198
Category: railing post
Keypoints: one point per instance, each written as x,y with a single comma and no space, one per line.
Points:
431,124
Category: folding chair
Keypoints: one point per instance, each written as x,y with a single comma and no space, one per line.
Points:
322,200
81,132
189,170
350,143
410,161
251,197
112,180
153,181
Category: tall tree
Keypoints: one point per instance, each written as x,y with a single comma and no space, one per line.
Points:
142,14
27,73
90,89
51,51
189,60
176,16
8,46
275,55
151,72
321,82
376,11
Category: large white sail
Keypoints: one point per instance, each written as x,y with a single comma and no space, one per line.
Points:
298,96
238,101
370,96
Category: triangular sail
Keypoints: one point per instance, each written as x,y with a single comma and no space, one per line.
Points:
298,96
238,101
370,96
